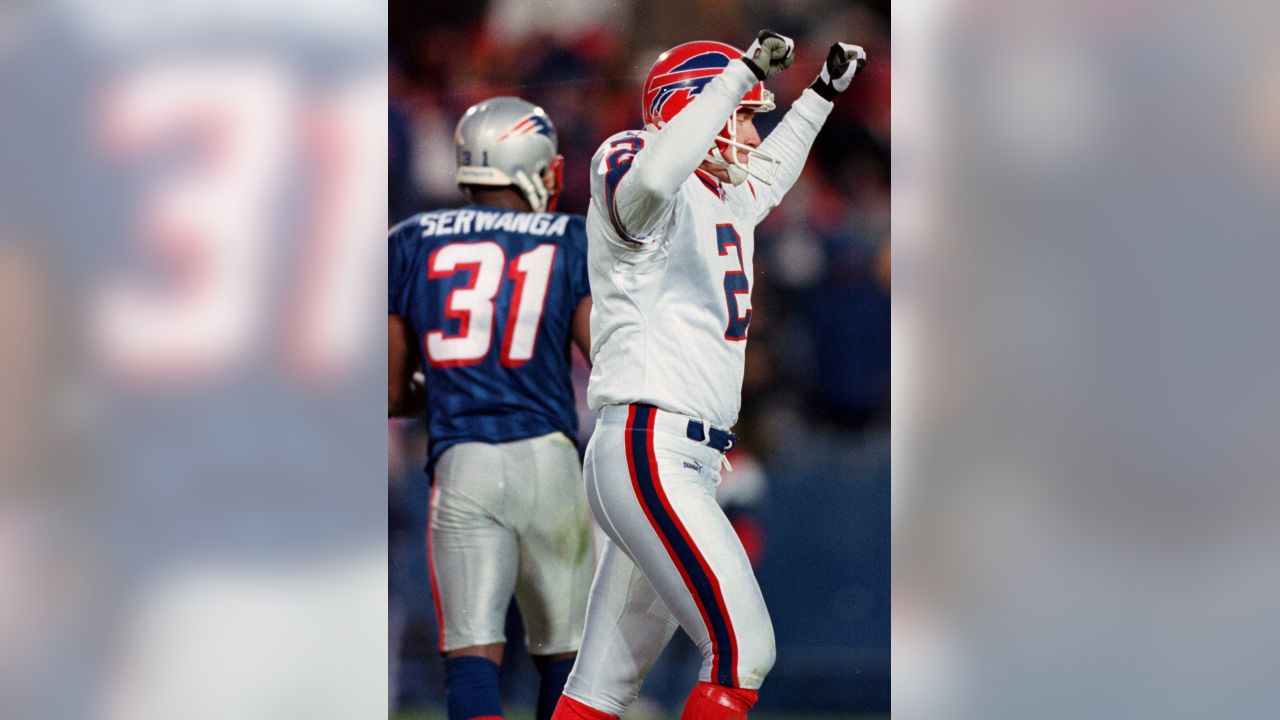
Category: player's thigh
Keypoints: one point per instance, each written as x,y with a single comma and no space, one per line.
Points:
557,555
660,508
604,469
473,554
703,573
628,625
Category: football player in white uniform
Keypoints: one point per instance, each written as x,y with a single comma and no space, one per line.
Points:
670,238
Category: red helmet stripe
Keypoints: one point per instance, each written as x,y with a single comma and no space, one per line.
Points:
524,127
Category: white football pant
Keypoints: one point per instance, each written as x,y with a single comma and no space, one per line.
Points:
670,558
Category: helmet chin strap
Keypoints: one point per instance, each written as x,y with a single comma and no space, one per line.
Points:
737,173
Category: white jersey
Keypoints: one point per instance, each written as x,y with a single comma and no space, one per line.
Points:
669,252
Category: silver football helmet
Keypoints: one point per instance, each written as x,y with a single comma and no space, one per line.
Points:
508,141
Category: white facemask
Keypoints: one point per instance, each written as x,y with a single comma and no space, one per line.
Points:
759,165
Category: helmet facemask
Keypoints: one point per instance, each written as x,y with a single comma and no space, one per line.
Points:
724,153
540,193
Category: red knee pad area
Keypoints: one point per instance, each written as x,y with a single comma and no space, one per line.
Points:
716,702
570,709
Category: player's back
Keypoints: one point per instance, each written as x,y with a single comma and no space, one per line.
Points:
490,295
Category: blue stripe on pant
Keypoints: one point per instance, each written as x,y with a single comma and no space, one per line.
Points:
681,546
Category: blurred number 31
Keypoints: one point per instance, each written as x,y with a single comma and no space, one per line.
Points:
217,223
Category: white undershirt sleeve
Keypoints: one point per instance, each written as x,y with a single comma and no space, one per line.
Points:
790,142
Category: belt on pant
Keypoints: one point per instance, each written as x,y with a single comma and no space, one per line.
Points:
699,431
702,432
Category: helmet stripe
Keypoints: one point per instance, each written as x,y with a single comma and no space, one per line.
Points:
532,123
705,60
681,76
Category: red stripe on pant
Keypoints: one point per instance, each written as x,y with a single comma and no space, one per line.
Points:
655,479
431,567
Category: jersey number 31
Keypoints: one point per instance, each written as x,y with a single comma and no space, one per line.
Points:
472,304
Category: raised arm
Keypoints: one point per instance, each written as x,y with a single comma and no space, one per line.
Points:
642,173
791,140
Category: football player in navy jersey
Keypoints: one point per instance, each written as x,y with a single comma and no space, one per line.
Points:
488,298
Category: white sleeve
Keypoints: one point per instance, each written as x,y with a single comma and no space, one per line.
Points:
789,143
643,174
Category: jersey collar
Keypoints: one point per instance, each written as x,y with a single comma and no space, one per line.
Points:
710,182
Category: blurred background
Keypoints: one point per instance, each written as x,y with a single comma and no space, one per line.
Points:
810,489
192,418
1085,457
193,510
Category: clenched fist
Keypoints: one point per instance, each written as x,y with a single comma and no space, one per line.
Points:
770,54
843,62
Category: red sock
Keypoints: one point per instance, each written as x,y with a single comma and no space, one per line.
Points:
717,702
570,709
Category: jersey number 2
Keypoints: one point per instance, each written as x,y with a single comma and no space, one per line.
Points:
472,304
737,288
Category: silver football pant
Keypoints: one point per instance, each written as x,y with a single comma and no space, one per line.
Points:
509,519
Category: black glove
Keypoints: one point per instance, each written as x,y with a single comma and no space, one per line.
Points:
843,62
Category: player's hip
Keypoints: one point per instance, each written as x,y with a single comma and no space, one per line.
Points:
669,426
716,401
497,423
640,443
511,482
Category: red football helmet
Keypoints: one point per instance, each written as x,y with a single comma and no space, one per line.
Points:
679,75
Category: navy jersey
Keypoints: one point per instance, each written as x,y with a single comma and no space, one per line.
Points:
490,295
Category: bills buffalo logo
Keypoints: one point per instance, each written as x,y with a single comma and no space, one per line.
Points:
685,81
528,125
